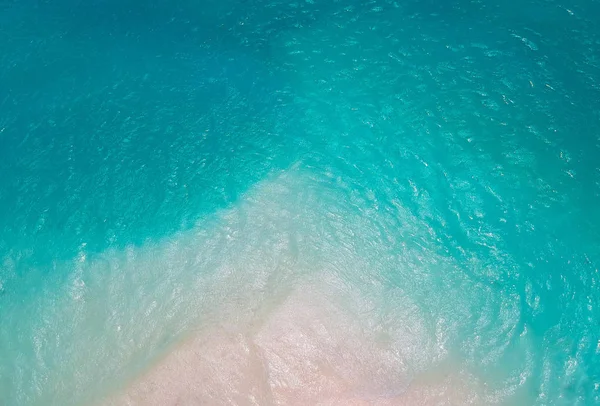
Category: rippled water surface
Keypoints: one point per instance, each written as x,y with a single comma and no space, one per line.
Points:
377,196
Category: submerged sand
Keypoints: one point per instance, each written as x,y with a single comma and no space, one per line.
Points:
310,321
308,348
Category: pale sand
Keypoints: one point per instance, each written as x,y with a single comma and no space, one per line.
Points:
308,349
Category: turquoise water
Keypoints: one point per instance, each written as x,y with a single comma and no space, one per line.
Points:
449,151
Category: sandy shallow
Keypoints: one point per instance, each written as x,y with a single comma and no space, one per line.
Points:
309,321
306,348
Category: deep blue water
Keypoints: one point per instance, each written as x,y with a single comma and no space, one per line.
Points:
456,144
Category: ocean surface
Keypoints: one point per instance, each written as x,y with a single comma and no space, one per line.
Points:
435,164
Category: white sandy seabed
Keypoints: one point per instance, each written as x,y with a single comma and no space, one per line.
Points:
309,290
305,312
306,351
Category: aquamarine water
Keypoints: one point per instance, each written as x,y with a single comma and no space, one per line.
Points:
449,151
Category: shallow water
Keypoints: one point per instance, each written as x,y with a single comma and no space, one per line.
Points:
427,174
